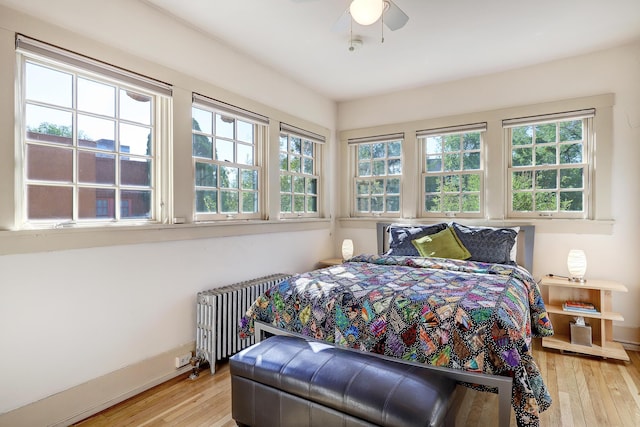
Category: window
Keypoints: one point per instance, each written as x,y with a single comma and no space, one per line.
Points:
227,148
452,170
91,139
299,171
378,175
549,165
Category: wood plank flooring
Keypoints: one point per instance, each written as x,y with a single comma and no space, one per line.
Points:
586,391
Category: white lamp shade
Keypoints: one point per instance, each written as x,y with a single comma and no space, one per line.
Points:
577,263
366,12
347,248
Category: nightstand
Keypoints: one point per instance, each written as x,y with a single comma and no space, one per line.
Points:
329,262
596,292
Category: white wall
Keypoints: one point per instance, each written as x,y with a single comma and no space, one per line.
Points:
80,304
611,255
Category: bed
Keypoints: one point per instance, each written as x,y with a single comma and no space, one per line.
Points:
418,303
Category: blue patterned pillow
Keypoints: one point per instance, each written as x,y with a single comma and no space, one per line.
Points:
487,244
402,235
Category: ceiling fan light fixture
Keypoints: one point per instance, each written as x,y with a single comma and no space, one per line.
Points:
366,12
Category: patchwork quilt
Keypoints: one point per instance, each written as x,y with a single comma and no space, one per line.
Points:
475,316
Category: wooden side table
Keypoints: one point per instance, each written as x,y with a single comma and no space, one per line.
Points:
329,262
596,292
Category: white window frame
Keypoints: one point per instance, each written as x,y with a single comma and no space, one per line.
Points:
355,144
460,131
588,154
53,57
260,130
287,132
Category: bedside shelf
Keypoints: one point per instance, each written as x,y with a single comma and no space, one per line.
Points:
329,262
596,292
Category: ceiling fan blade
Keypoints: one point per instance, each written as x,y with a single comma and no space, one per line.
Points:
342,24
394,17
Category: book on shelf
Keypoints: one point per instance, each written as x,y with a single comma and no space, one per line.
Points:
579,307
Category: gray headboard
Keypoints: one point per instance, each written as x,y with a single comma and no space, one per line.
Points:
526,238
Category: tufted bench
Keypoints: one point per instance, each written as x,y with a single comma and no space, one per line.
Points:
287,381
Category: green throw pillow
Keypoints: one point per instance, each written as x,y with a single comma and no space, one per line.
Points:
444,244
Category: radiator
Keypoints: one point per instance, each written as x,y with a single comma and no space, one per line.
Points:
218,316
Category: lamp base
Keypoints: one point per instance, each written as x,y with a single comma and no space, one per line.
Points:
577,279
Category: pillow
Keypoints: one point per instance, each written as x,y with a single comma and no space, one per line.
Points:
444,244
402,235
487,244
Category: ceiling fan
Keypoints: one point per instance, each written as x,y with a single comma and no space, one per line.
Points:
367,12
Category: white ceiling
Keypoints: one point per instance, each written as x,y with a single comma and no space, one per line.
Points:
443,40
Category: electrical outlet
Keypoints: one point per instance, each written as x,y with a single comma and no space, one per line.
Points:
183,360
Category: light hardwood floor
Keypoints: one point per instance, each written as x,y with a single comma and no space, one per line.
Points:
586,391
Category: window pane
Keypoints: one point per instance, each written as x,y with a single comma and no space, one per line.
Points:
547,179
451,203
379,167
451,183
49,202
434,164
96,133
135,172
364,169
202,146
229,201
571,178
96,168
307,166
298,184
312,186
546,155
522,202
571,153
571,201
48,124
470,203
249,179
202,120
394,148
49,163
546,201
135,107
245,154
363,187
432,184
284,162
135,204
206,201
393,203
377,186
94,203
249,202
452,143
452,162
285,183
298,203
364,151
545,133
570,131
434,145
135,139
393,186
362,204
395,167
307,148
522,135
522,157
312,204
285,203
377,204
522,180
432,203
97,98
245,132
471,182
224,150
225,126
379,150
471,161
283,142
295,164
296,145
49,86
471,141
228,178
206,175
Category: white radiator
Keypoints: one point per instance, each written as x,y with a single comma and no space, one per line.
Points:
218,316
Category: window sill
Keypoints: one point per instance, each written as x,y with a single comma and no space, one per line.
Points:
67,238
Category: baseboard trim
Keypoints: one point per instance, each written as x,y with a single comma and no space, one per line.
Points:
87,399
